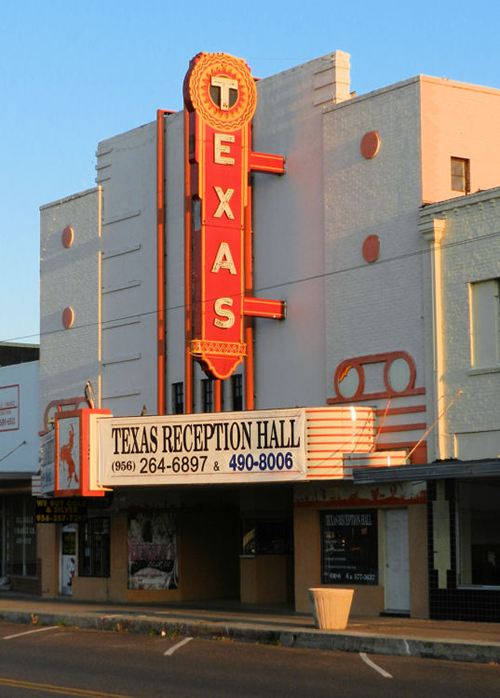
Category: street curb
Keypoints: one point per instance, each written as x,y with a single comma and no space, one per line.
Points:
444,649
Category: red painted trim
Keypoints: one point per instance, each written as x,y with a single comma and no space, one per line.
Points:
371,396
69,401
249,377
419,456
188,365
358,362
420,426
402,410
161,352
260,307
217,395
265,162
394,445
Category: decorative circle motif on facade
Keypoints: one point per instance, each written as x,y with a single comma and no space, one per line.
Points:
222,90
351,382
398,374
68,236
370,144
395,375
371,248
68,317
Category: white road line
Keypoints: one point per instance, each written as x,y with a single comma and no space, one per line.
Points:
371,664
174,648
29,632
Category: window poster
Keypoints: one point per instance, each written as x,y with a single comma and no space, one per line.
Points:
349,553
68,430
152,551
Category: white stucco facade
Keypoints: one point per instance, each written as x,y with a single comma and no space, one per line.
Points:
464,259
309,228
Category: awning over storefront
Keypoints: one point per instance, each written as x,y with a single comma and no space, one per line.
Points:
442,470
15,482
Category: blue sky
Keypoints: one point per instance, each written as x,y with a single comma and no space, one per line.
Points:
73,73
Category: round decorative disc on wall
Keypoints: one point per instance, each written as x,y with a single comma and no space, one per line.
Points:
370,144
68,317
371,248
68,236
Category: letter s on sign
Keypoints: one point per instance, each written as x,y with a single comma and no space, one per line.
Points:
224,312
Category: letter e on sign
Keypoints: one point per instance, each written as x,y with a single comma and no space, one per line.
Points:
222,148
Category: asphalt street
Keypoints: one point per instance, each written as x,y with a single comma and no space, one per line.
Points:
59,660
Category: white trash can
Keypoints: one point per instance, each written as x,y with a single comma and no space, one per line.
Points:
331,607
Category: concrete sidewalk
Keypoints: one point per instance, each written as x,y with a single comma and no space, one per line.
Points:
451,640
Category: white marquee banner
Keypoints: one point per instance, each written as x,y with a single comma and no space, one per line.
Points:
227,447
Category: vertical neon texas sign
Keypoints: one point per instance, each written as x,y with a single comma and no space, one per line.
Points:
220,100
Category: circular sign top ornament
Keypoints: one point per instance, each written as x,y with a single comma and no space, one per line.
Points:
221,89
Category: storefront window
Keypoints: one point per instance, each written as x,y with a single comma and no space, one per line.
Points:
152,551
479,533
349,550
94,548
20,536
262,537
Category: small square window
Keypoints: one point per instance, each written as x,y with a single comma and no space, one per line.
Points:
460,175
178,398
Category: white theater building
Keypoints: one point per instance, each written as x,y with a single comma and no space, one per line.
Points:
243,291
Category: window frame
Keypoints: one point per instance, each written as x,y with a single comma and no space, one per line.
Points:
353,564
460,537
482,343
89,564
463,177
178,397
237,392
207,395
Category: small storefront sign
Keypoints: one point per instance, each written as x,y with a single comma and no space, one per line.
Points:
74,452
62,510
9,407
259,446
349,547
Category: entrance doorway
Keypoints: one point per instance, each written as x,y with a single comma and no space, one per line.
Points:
397,567
69,558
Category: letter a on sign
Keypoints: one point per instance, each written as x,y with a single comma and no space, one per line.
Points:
220,99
